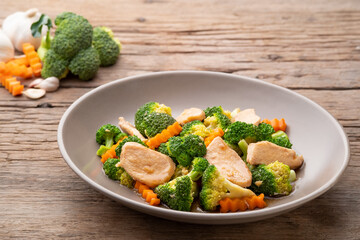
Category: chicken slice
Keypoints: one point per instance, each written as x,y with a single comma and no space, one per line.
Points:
248,116
190,114
228,162
145,165
130,129
265,152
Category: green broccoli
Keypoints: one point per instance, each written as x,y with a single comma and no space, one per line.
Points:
215,187
264,132
272,179
73,34
281,139
36,30
106,45
217,120
54,65
117,173
107,134
164,150
85,64
198,166
195,127
185,149
146,109
234,147
178,194
128,139
217,109
241,130
155,122
102,149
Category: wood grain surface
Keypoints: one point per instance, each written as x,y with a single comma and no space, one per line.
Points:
311,47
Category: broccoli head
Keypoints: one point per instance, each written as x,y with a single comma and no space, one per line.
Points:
178,194
54,65
216,109
128,139
146,109
106,45
234,147
85,64
198,166
106,135
155,122
215,187
272,179
73,34
240,130
281,139
185,149
264,132
62,16
195,127
164,150
117,173
217,120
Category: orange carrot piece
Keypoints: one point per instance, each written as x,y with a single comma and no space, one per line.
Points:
162,137
242,204
218,132
36,69
21,61
147,193
17,90
28,48
2,67
276,124
12,85
111,152
8,81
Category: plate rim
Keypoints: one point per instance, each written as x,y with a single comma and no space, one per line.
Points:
195,216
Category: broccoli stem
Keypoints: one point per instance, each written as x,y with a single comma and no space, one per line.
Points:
243,146
194,175
235,191
47,40
109,142
278,134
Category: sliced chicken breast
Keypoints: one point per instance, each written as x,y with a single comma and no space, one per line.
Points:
248,116
130,129
266,152
145,165
228,162
190,114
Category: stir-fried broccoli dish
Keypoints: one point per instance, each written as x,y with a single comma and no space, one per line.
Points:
208,160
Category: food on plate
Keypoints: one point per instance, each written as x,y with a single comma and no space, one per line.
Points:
213,164
247,116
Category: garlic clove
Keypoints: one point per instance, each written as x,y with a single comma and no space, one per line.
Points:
49,84
35,82
34,93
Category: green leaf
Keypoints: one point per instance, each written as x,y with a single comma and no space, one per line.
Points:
36,27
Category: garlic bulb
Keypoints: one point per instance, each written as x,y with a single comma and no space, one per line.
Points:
6,48
35,82
34,93
49,84
17,27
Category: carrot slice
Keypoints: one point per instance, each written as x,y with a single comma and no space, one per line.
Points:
147,193
12,85
17,90
276,124
218,132
242,204
162,137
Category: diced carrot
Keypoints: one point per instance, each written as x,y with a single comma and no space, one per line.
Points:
276,124
242,204
162,137
28,48
218,132
2,67
12,85
8,81
147,193
17,90
21,61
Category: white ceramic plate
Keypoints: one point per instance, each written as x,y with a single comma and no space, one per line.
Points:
313,131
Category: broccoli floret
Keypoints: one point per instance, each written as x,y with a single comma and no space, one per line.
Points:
85,64
240,130
146,109
117,173
178,194
120,136
163,148
180,171
64,15
198,166
185,149
272,179
264,132
195,127
217,109
106,45
128,139
234,147
155,122
217,120
106,135
281,139
73,34
102,149
215,187
54,65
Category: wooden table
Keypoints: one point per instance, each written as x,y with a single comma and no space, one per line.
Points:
311,47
